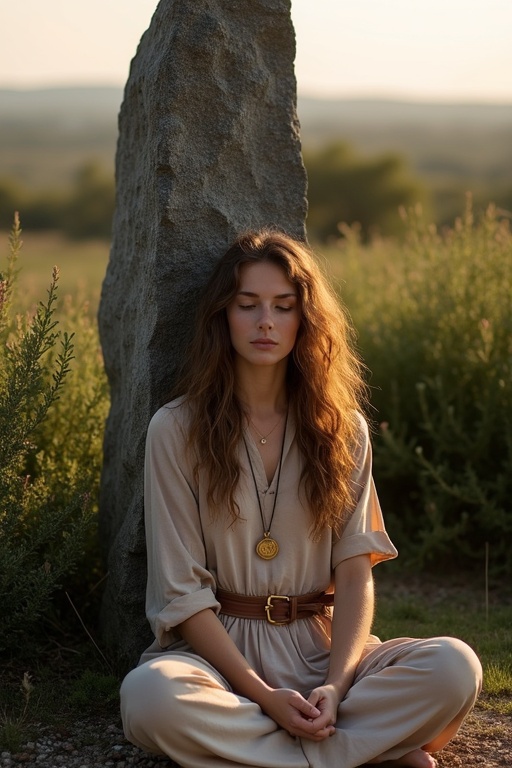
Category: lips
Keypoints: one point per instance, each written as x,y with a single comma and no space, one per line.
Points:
264,343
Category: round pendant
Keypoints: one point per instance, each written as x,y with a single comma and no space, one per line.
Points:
267,548
263,440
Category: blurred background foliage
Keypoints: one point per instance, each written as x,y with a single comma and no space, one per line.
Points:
434,320
53,404
83,210
428,287
369,191
364,159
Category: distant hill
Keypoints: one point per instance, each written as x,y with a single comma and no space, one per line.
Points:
468,141
45,134
93,103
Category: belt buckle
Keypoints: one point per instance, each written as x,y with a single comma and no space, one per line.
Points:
270,605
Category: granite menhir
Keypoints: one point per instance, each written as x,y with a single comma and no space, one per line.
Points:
208,147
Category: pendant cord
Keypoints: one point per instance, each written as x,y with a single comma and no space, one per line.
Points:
265,531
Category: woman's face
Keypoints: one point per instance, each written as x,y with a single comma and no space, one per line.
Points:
264,316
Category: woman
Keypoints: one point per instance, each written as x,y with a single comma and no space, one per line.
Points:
261,514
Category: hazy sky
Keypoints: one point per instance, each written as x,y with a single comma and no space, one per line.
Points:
421,49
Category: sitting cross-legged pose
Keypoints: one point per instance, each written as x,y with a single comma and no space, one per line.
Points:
262,525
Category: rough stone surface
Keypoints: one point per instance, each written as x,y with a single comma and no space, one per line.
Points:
208,147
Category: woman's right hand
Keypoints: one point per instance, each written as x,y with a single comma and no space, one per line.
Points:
208,637
295,714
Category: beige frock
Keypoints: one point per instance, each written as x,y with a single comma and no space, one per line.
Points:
189,555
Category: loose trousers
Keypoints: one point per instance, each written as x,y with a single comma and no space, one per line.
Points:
407,694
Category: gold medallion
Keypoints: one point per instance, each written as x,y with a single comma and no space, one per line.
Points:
267,548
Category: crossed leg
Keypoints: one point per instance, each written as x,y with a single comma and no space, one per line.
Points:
408,699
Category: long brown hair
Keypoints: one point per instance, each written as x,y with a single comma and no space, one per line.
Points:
324,381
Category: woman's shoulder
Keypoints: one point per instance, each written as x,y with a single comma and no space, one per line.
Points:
171,417
361,425
362,436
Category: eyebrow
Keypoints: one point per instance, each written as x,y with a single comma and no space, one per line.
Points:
279,296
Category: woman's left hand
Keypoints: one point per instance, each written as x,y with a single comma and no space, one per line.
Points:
326,699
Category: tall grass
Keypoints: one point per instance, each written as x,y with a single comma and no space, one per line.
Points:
53,402
437,606
434,319
82,266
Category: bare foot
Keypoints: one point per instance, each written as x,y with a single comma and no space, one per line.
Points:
418,758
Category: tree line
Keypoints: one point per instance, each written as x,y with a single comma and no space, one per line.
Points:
344,187
83,211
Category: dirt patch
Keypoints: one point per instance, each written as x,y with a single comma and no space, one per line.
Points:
485,740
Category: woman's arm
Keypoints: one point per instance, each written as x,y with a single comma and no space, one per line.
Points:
352,620
208,637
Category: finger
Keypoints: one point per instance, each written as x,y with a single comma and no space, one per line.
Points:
311,727
299,725
318,736
314,698
324,721
306,709
326,730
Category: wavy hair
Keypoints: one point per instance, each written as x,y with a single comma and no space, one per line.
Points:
324,381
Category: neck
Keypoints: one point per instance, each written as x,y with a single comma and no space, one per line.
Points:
262,390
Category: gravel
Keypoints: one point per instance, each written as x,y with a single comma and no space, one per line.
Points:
484,741
87,744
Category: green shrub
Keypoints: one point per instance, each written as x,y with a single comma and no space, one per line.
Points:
344,186
434,318
89,210
93,689
82,210
49,452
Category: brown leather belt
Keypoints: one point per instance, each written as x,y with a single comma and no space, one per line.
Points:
276,609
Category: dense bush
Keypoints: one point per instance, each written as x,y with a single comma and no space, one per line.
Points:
434,318
89,210
346,187
50,451
83,211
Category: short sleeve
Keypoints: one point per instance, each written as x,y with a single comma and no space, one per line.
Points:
179,583
364,533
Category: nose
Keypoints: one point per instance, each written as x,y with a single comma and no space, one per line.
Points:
265,319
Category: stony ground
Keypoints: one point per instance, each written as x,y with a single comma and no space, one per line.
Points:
485,741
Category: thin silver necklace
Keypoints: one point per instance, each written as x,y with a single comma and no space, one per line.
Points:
267,547
264,438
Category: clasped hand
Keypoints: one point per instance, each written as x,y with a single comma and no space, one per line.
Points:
311,718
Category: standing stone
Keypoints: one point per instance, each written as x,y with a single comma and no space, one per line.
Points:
208,146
